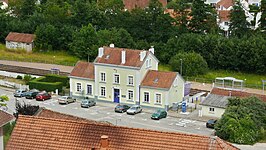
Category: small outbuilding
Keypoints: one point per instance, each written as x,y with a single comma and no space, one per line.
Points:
20,41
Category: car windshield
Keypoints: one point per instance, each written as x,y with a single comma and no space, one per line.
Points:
64,97
211,121
133,108
85,101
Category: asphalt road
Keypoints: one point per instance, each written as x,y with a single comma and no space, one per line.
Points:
105,112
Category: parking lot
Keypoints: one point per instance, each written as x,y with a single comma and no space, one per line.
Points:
105,112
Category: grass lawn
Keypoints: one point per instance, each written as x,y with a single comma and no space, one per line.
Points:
251,80
52,57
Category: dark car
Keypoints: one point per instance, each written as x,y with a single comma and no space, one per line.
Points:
42,96
31,94
19,93
87,102
121,108
158,114
210,123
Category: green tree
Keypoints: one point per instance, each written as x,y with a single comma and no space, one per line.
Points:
85,43
239,26
111,5
47,37
192,64
22,8
3,99
203,18
263,15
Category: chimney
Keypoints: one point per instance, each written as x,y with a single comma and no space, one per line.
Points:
123,57
151,49
104,142
230,93
100,52
112,45
142,55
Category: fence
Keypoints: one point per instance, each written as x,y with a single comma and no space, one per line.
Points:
13,85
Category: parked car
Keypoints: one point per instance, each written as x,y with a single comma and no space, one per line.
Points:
121,108
31,94
88,102
210,123
42,96
19,93
66,100
134,110
158,114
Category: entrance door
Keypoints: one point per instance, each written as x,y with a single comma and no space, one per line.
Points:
116,95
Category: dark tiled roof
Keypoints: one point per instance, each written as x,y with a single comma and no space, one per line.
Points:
234,93
5,118
113,56
40,133
216,101
159,79
20,37
131,4
226,3
83,70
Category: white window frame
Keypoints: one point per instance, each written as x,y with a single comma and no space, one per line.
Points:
211,109
101,94
150,62
147,63
132,96
101,79
114,78
129,80
144,96
78,88
155,98
88,90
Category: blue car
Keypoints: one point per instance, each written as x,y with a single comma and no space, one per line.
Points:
20,93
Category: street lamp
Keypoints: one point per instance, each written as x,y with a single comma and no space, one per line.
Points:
181,66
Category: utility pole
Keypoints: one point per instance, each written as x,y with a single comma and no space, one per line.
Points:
181,66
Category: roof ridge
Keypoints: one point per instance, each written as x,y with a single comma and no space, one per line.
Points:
84,122
120,48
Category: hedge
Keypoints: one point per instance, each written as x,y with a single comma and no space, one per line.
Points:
57,78
40,84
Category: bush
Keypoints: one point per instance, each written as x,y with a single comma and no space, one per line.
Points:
19,77
57,78
27,78
40,84
192,64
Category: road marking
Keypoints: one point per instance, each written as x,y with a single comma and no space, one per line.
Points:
63,106
75,108
170,124
144,119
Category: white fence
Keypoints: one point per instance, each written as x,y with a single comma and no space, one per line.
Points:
13,85
13,75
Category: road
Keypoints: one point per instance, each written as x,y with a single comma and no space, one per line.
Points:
105,112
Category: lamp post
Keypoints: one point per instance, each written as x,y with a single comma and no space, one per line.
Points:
181,66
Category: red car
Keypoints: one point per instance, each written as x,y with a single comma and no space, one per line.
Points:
43,96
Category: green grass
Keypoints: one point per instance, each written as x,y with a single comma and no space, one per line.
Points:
52,57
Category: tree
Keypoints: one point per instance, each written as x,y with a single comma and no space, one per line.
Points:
22,8
239,26
243,121
25,109
85,43
263,15
192,64
3,99
203,18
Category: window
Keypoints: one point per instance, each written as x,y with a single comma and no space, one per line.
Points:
158,98
89,89
130,80
226,23
146,97
212,109
78,87
103,91
116,78
103,77
147,63
130,94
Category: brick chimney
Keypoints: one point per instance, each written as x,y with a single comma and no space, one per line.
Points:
112,45
123,57
104,142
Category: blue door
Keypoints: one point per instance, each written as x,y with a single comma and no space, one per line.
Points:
116,95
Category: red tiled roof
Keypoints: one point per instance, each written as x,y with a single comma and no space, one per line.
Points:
40,133
113,56
5,118
131,4
240,94
224,15
20,37
159,79
226,3
83,70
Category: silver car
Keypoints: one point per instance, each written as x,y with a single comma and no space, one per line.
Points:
66,100
134,110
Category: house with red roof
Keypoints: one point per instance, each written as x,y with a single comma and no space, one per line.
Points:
127,76
133,4
5,118
16,40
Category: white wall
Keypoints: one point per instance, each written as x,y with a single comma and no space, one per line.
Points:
218,112
16,45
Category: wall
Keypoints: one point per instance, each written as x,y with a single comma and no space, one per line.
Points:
218,112
152,92
15,45
176,93
73,87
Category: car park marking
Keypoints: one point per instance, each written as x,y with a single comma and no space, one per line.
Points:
75,108
170,124
144,119
93,113
63,106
